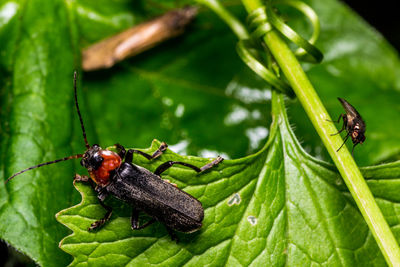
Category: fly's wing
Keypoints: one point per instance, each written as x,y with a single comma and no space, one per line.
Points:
350,110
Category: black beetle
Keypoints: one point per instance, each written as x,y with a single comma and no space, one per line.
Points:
352,123
137,186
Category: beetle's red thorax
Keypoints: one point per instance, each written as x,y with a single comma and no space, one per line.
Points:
111,161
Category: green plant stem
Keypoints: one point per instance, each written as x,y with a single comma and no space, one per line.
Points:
342,159
236,26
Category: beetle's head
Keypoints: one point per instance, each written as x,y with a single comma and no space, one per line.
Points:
92,158
100,163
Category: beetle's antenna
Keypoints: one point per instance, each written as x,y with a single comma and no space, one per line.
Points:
79,112
43,164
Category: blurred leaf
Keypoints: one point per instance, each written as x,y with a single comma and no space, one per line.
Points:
181,90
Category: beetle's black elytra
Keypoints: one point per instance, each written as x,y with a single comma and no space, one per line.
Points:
352,123
113,173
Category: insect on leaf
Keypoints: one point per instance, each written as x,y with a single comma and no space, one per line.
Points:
267,202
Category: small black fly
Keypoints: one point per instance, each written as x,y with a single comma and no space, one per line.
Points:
352,123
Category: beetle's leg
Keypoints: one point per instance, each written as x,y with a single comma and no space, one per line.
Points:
102,194
151,221
156,154
166,165
163,167
172,234
106,217
84,179
135,220
160,150
81,178
121,150
347,137
216,161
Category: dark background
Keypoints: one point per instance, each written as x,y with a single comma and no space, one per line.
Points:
382,16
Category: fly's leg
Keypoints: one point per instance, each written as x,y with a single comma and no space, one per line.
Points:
135,220
344,123
166,165
338,120
347,137
352,154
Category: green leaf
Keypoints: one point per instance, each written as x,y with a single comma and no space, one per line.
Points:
276,207
36,69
